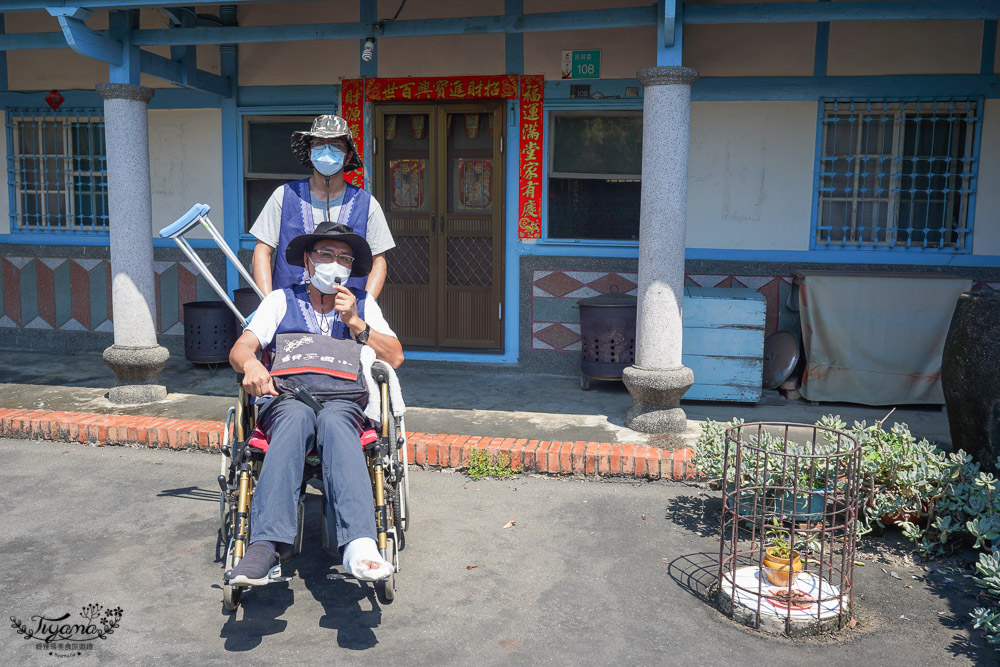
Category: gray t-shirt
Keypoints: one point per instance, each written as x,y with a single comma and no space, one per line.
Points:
266,228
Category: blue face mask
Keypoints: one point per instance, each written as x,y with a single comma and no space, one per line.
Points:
327,159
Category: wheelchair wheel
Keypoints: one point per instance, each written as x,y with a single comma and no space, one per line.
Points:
386,589
231,595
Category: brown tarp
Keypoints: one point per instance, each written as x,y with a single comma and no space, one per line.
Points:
875,338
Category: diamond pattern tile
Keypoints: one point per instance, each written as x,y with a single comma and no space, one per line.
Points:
613,283
558,283
558,336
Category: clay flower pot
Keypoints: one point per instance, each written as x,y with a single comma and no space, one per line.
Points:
779,571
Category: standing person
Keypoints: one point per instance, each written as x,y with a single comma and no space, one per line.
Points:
297,207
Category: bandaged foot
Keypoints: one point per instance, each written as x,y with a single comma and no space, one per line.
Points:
363,560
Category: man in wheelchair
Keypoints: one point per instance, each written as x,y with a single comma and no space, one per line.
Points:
313,336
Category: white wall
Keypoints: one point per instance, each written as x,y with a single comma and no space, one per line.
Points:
5,193
185,164
986,229
750,175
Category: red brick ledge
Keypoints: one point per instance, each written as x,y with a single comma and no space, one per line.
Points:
429,450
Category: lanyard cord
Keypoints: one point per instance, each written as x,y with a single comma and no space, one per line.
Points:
327,212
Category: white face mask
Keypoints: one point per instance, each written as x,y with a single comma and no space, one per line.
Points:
327,276
327,159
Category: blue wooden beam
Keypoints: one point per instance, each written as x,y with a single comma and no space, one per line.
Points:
669,10
120,26
989,48
43,5
822,51
912,87
851,10
513,45
554,21
82,39
3,59
369,16
173,71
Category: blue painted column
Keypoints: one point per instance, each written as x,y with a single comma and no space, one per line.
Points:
232,173
3,59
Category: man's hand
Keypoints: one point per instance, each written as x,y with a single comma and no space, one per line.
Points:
256,380
346,304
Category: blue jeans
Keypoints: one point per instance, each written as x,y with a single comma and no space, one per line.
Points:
293,430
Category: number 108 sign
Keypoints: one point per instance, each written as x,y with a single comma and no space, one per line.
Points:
581,64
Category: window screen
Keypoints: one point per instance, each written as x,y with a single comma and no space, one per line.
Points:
594,175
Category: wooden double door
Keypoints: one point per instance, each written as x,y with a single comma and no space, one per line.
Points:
439,179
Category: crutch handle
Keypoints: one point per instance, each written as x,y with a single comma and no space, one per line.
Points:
185,222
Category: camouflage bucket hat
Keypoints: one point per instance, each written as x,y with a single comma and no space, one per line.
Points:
326,127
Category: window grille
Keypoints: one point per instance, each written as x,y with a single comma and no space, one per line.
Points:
57,171
897,174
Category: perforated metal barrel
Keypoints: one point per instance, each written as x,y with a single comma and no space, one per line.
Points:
209,332
246,300
607,330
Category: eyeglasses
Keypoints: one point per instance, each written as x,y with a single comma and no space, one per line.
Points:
325,257
336,143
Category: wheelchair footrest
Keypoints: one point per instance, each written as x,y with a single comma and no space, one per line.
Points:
343,576
273,576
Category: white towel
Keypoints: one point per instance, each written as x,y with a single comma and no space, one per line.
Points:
374,409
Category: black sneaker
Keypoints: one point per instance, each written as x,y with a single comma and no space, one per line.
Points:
259,566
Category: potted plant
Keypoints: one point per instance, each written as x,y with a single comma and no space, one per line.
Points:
782,563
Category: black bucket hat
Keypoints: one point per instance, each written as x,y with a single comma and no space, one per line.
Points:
332,231
326,127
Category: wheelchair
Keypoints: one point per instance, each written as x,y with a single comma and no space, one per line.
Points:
243,453
244,448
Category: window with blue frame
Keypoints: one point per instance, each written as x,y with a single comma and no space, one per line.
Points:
268,161
57,171
594,179
897,174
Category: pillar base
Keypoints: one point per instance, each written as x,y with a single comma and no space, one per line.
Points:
136,369
656,395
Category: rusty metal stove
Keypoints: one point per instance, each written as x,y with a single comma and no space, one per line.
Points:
607,330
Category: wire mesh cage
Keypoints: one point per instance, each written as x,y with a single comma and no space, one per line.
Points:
789,527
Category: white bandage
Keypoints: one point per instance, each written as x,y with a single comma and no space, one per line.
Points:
364,549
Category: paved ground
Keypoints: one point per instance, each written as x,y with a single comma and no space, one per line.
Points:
591,574
440,398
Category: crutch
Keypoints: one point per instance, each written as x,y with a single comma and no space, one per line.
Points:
182,225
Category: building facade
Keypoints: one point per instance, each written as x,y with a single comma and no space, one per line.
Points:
504,140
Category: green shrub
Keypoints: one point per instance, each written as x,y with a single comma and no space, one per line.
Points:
482,464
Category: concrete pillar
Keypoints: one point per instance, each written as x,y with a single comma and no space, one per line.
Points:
135,358
659,379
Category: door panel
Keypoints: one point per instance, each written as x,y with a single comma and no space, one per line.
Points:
407,195
440,182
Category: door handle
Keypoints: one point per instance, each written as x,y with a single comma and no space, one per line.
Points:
441,223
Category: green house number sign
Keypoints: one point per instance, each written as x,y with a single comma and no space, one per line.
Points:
581,64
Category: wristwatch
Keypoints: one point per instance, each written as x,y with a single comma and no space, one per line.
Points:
363,336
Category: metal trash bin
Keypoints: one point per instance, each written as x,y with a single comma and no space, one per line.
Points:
210,330
246,300
607,332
